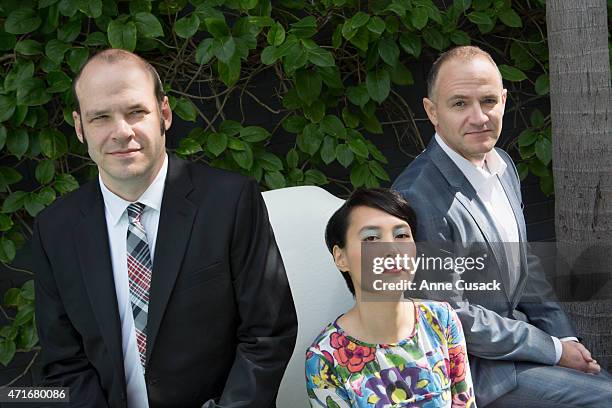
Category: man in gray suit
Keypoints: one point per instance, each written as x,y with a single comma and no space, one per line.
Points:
523,353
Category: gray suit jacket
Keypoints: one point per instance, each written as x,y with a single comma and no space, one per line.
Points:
498,331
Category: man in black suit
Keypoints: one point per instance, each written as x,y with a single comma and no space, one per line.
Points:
159,284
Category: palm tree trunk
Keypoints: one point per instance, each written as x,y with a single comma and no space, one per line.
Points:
581,114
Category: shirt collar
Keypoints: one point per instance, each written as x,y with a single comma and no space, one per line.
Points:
152,197
479,177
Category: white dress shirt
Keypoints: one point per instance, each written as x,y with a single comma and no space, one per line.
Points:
486,182
117,225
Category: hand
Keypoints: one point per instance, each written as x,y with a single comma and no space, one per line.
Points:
575,355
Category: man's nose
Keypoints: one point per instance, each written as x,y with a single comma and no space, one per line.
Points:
478,116
123,130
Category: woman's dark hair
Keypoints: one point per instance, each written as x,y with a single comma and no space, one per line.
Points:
383,199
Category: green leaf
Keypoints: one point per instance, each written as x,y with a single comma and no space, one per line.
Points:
315,111
292,158
459,37
520,57
76,58
244,158
331,76
510,18
188,146
310,139
58,82
8,176
344,154
3,134
96,39
333,126
419,17
217,143
378,85
358,20
17,142
122,34
25,314
527,137
185,109
479,18
275,180
543,150
315,177
270,162
65,183
547,185
351,120
319,56
359,175
411,43
542,85
361,39
268,55
7,351
434,38
229,73
254,134
224,48
294,124
46,195
148,25
523,170
32,92
204,52
328,150
28,47
7,107
5,223
32,205
304,28
308,84
376,25
27,337
358,95
388,51
70,31
537,119
217,27
91,8
138,6
276,34
401,75
377,170
538,168
14,202
11,297
55,50
358,147
53,143
45,170
230,127
511,73
187,26
22,21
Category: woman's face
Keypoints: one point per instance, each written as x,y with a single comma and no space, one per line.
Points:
369,225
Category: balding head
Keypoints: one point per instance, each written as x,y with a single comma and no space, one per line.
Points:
458,54
115,56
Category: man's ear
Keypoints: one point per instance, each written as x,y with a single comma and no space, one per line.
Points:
166,113
430,109
78,126
340,259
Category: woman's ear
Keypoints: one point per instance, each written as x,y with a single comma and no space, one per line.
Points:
340,259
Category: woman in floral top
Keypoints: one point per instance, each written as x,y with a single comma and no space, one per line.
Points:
386,351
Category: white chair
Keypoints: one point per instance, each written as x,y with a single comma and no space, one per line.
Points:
298,216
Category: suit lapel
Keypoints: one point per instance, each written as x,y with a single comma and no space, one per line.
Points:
512,194
175,224
468,197
93,251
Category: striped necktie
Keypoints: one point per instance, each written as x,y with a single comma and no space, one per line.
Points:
139,275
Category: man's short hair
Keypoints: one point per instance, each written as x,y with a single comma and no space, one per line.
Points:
464,52
113,55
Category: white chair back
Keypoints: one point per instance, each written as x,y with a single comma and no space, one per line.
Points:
298,216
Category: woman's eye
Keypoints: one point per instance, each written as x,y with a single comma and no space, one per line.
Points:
403,236
370,238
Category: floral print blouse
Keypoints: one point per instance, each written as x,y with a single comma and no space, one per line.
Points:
428,369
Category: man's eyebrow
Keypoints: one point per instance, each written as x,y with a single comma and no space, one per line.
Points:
136,106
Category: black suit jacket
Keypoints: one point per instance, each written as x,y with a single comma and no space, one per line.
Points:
221,323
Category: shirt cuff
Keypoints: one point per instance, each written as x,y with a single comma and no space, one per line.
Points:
559,347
